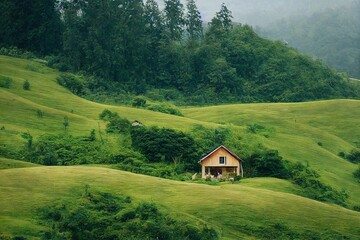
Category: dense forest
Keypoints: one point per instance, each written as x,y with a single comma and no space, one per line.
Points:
125,46
332,35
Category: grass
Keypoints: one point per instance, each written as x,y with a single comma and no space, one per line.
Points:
6,163
225,207
295,129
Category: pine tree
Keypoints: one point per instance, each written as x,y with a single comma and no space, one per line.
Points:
193,21
222,20
174,18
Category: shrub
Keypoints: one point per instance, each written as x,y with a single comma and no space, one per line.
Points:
254,128
353,156
106,115
72,82
39,113
356,174
165,145
98,215
66,150
139,102
26,85
165,108
5,82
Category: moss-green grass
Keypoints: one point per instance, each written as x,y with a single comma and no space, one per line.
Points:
311,132
296,130
6,163
225,207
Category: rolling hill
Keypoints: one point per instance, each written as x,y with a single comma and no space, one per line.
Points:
313,132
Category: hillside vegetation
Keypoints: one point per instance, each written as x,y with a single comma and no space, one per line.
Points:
166,54
332,35
235,211
313,133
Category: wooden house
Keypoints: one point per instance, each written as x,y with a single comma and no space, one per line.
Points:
221,162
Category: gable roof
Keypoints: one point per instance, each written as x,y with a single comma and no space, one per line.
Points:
223,147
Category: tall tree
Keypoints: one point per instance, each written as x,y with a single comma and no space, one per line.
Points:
154,28
174,18
31,25
222,19
193,21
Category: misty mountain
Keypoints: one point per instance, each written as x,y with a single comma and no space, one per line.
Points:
264,12
332,35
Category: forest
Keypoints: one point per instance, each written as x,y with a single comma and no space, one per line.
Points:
125,48
332,35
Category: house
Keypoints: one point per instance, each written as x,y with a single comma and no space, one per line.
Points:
221,162
136,123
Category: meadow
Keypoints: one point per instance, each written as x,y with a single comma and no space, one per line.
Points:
311,132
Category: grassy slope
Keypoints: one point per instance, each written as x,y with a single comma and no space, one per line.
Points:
298,127
226,207
295,140
18,107
6,163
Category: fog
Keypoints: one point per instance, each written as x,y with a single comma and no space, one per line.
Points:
264,12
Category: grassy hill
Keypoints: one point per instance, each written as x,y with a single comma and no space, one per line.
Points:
313,132
232,209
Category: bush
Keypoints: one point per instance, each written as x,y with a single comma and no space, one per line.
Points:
165,108
139,102
26,85
165,145
72,82
266,163
66,150
98,215
254,128
16,52
5,82
39,113
353,156
308,179
356,174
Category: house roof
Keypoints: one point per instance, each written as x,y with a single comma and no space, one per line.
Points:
223,147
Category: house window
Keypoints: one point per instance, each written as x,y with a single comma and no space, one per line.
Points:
222,160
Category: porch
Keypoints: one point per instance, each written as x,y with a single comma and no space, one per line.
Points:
221,172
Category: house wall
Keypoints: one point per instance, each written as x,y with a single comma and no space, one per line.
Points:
213,161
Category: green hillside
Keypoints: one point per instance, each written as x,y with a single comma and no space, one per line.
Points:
313,133
232,209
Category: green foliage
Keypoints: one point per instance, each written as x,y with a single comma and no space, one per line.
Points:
354,156
115,124
165,108
5,82
39,113
29,138
254,128
356,174
99,215
314,188
268,163
309,35
265,163
139,102
208,139
72,82
107,115
26,85
165,145
16,52
66,150
66,122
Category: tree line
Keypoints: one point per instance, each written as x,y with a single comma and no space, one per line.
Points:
134,46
